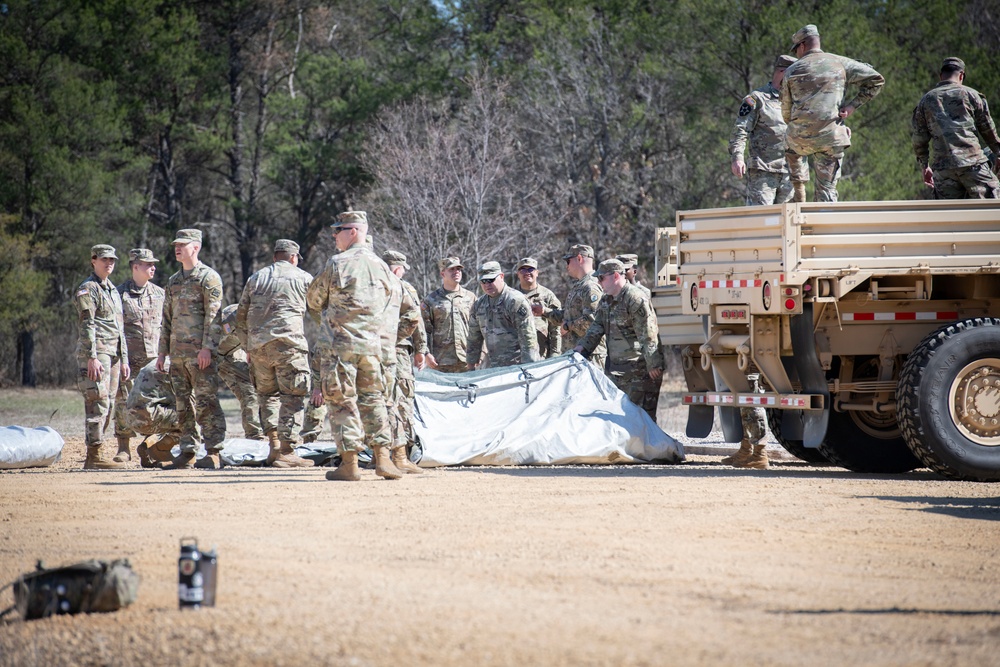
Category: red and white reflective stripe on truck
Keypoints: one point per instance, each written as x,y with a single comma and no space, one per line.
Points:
892,317
738,399
711,284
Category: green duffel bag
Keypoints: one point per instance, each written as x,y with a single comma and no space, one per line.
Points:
90,586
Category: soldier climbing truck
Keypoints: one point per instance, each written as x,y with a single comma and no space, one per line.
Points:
874,328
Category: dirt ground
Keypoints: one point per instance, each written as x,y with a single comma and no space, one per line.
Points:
691,564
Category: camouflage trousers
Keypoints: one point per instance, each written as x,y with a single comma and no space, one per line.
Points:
633,379
978,182
354,391
460,367
281,377
122,427
199,415
149,420
312,421
767,187
754,424
402,400
99,396
826,164
235,371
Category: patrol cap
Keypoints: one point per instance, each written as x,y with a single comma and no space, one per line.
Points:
395,258
784,61
286,245
800,35
490,270
102,250
348,218
185,236
579,249
609,266
449,263
142,255
954,62
530,262
628,261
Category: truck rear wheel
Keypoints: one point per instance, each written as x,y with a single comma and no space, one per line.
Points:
793,447
855,441
949,398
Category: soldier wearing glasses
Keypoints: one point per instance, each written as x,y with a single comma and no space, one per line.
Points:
501,318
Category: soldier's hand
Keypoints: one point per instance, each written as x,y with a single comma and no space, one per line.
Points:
928,177
94,370
204,358
431,361
161,362
126,370
317,397
739,168
578,349
537,309
656,373
418,360
846,111
564,329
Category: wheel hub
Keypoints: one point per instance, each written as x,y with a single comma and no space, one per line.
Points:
975,401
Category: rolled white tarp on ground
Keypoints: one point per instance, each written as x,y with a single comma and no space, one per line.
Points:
22,447
554,412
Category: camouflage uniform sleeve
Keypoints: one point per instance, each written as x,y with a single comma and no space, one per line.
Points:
317,295
212,299
920,135
241,314
166,321
120,317
786,102
88,328
646,332
555,338
579,326
746,120
526,334
409,316
554,317
595,332
984,123
474,346
420,335
865,77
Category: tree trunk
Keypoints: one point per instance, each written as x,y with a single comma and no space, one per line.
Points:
26,351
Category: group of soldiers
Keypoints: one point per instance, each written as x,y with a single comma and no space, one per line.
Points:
359,370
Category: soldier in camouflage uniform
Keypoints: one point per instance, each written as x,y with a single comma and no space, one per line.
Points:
577,312
152,412
631,264
189,335
101,352
234,369
813,108
142,307
270,324
411,350
549,338
446,313
751,452
948,118
315,415
501,318
626,320
361,298
759,122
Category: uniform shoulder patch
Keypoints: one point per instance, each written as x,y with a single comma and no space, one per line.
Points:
595,297
82,292
522,311
749,104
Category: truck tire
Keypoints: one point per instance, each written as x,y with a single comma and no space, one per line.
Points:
860,444
949,400
793,447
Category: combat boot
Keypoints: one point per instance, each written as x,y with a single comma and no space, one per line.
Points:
124,450
758,459
383,463
741,455
155,449
798,190
183,461
210,461
288,459
347,471
275,447
95,462
403,463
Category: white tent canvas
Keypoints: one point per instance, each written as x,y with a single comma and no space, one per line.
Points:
554,412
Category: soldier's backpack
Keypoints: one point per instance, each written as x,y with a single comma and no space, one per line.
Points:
90,586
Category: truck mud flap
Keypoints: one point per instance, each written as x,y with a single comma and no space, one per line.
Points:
729,418
791,420
812,378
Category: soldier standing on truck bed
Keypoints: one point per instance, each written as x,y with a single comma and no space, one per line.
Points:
812,106
759,124
947,118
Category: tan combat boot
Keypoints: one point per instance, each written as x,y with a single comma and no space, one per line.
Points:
741,455
210,461
275,447
383,463
155,449
347,471
798,190
183,461
403,463
758,459
95,462
124,450
288,459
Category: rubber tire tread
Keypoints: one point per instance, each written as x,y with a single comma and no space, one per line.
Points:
793,447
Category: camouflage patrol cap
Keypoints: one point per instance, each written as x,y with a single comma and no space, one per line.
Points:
348,218
579,249
395,258
185,236
449,263
142,255
286,245
783,61
489,270
102,250
953,62
800,35
628,261
609,266
526,261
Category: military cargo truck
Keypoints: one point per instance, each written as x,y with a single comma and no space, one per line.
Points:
874,328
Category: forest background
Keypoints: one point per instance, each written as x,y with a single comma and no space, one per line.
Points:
486,129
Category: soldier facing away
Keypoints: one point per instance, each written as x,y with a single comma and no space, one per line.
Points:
549,338
189,335
501,318
234,369
760,125
142,308
946,120
446,313
813,108
101,352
